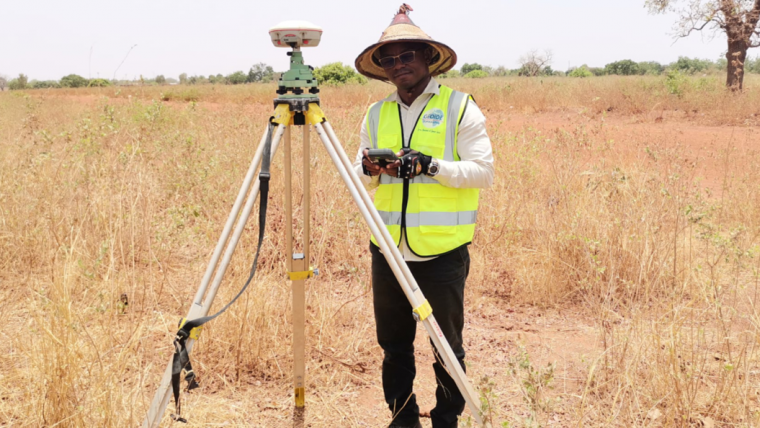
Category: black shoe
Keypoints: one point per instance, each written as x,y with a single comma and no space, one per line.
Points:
417,425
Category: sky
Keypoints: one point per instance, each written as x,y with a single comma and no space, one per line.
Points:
48,39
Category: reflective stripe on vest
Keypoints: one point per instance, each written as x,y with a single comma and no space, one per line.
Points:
436,218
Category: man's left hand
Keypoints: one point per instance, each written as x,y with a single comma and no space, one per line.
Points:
412,163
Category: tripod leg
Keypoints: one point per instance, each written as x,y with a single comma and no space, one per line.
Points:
306,194
239,229
287,176
249,176
164,393
397,264
301,264
295,263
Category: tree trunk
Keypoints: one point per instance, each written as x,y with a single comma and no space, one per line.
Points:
736,55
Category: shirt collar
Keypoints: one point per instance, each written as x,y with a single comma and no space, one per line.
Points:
431,88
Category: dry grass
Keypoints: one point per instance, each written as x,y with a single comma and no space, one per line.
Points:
111,191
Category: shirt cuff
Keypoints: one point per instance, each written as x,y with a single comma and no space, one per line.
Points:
446,171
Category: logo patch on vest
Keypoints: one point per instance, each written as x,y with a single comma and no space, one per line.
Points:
432,118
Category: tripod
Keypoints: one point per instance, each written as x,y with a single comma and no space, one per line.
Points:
292,111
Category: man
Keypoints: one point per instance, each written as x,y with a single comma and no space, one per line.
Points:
428,201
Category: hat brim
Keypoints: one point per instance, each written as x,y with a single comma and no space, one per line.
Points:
443,60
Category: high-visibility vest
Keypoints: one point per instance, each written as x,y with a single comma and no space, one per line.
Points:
435,219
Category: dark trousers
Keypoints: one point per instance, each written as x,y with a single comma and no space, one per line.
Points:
442,282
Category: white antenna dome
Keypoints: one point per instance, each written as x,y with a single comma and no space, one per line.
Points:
295,34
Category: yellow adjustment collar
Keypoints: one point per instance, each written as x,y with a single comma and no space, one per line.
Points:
283,115
296,276
314,115
194,333
422,311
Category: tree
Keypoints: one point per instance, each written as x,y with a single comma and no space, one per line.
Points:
738,19
533,63
183,79
688,65
73,81
160,79
466,68
625,67
259,73
3,83
650,67
501,71
19,83
236,78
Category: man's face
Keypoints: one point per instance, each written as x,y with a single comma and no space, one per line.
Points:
406,76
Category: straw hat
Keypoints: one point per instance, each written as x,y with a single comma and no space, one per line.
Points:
402,29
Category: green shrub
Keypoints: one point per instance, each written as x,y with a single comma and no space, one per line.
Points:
675,82
625,67
338,74
476,74
581,71
73,81
653,68
19,83
99,83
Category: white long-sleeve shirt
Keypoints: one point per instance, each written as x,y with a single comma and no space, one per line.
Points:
474,170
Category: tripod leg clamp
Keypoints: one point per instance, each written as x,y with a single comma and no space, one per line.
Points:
421,312
194,333
314,115
296,276
283,115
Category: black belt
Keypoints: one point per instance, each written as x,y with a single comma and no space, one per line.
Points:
181,360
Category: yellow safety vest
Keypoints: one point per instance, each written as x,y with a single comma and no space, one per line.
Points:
436,219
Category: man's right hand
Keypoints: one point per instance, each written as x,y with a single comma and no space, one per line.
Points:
375,169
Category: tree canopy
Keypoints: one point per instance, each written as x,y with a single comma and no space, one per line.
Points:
73,81
466,68
534,63
259,73
237,78
625,67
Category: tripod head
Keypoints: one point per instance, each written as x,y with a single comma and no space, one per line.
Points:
297,86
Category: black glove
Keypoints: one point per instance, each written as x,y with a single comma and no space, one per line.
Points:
413,163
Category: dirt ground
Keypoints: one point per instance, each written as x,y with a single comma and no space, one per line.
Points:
495,329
